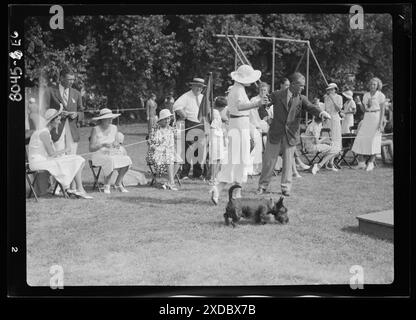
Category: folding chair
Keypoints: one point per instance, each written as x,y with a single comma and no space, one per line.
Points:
347,142
35,174
96,170
155,174
309,156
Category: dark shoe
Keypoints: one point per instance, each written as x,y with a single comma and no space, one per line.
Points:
285,193
261,190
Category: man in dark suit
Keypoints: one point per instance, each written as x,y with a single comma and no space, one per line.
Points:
283,134
67,134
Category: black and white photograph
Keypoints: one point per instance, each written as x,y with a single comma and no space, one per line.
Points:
227,148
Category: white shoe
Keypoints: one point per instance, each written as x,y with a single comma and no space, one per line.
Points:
370,166
297,175
121,189
315,168
304,166
107,189
83,195
333,169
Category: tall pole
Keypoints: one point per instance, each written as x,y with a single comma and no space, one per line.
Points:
307,78
273,63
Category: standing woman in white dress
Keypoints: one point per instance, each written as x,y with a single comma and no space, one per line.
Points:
107,151
333,105
44,156
239,159
368,140
348,110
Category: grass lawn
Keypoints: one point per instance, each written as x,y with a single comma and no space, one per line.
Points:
156,237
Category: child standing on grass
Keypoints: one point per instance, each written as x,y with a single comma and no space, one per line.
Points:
217,137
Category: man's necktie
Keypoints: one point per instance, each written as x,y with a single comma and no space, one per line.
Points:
65,96
290,102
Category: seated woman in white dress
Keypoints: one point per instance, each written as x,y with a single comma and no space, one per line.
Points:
43,156
314,143
107,151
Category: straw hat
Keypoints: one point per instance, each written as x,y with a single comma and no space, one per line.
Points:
106,113
164,113
52,113
348,94
332,86
198,81
246,74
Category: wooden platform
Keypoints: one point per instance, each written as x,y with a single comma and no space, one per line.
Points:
379,224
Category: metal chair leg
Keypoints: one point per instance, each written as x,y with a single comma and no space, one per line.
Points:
32,190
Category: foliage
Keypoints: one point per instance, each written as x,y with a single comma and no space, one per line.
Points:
119,59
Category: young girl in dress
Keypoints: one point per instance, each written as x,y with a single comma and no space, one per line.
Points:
217,138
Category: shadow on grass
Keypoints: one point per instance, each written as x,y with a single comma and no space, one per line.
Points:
141,200
356,230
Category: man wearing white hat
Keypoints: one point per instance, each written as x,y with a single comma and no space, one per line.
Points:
283,134
187,107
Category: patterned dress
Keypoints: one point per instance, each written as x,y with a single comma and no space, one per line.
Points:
162,151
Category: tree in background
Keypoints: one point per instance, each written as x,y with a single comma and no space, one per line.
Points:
117,58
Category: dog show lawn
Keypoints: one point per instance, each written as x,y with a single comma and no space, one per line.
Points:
152,236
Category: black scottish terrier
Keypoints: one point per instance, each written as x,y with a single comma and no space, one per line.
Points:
258,211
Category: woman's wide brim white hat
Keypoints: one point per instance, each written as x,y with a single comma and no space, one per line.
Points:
164,113
52,113
332,86
106,114
246,74
348,94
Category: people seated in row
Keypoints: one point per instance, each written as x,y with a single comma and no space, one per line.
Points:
162,155
43,156
314,143
107,150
